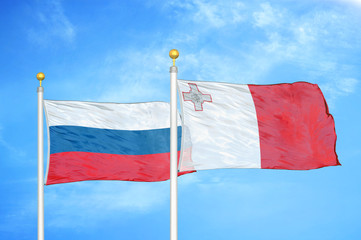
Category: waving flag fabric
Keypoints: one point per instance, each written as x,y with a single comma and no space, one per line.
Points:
282,126
108,141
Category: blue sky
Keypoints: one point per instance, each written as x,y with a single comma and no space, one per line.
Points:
117,51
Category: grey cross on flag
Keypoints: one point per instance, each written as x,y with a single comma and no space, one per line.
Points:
196,97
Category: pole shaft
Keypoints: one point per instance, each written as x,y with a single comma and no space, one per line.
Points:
40,165
173,155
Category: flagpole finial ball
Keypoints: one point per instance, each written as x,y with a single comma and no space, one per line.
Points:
40,76
173,54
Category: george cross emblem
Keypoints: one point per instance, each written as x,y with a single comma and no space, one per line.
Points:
196,97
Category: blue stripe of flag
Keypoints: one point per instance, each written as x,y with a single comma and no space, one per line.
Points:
125,142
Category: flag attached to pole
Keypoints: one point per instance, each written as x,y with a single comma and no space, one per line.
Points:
281,126
108,141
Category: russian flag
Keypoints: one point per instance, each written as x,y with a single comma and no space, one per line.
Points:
280,126
108,141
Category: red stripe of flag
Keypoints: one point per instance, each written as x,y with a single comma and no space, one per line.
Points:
81,166
296,129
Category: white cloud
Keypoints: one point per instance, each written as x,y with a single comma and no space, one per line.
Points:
133,76
338,87
268,16
347,85
353,2
52,24
215,14
85,204
308,41
218,15
285,37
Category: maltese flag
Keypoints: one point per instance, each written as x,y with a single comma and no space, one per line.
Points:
281,126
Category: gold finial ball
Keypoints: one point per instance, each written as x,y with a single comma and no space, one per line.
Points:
40,76
173,53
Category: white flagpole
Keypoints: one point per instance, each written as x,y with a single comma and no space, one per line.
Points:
173,148
40,76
